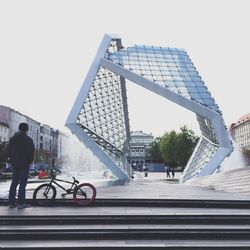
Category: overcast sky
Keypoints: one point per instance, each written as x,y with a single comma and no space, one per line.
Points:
46,48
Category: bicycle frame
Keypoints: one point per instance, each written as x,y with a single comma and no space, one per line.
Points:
73,184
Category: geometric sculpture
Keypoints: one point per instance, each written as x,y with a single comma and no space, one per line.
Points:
99,116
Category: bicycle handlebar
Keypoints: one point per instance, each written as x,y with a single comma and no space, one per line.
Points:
54,171
75,180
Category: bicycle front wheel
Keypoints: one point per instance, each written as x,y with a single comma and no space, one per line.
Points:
44,194
84,194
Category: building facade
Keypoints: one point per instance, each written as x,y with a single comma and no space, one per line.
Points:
62,141
139,148
4,132
34,128
45,137
240,132
13,118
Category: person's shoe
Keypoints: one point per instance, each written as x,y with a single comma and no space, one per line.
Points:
24,205
12,205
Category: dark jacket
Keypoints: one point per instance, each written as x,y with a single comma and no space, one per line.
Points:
21,150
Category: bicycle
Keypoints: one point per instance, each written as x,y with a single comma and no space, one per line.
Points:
83,194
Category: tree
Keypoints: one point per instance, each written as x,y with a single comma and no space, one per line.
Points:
3,154
186,144
176,148
168,148
155,150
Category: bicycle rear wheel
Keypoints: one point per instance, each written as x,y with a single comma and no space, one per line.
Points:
44,194
84,194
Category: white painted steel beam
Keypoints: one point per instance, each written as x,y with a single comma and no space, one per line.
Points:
71,122
204,113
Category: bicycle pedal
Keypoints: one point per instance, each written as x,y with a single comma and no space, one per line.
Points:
69,191
63,196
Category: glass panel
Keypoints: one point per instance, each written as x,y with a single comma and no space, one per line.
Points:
168,67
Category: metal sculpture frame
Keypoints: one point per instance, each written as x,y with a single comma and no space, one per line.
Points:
214,143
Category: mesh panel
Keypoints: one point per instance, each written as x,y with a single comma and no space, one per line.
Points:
168,67
205,150
102,111
172,68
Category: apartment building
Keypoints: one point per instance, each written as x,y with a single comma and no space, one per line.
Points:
240,132
45,137
4,132
139,148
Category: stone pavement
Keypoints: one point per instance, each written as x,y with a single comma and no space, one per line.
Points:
161,189
153,187
150,226
232,181
157,186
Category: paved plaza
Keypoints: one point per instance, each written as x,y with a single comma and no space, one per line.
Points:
155,186
147,213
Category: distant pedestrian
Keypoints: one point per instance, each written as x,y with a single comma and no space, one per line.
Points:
2,177
21,153
145,169
167,170
173,173
42,174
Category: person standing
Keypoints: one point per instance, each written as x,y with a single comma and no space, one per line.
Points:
21,154
42,174
173,172
145,169
167,170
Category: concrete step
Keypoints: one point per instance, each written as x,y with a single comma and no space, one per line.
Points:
154,203
126,227
11,228
222,179
228,187
120,219
127,244
151,228
127,234
233,181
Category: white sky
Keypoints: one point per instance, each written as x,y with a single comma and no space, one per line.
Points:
46,48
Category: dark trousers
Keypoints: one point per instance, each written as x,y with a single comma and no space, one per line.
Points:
20,176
